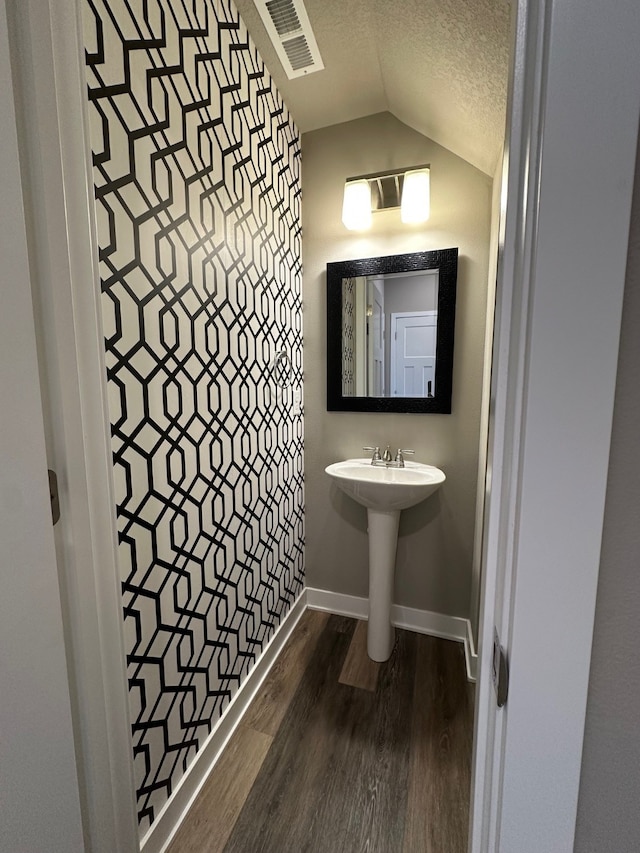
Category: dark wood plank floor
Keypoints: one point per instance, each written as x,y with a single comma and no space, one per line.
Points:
340,755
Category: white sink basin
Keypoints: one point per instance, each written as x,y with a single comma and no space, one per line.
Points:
384,492
385,489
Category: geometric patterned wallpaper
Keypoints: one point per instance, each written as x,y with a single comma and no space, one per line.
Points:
348,337
197,187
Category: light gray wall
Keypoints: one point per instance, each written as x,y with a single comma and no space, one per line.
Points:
609,802
436,539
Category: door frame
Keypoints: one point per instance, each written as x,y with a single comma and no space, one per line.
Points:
50,86
40,802
566,178
549,40
361,329
375,283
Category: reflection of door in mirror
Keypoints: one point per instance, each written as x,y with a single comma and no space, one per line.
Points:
413,354
361,337
375,337
411,344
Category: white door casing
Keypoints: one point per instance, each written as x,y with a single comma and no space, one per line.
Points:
361,338
564,233
375,338
57,177
40,792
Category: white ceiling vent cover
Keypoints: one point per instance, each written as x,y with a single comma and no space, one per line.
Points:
290,31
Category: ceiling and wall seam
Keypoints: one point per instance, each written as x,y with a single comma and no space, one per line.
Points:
439,66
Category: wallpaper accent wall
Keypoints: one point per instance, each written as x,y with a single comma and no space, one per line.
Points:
197,186
348,336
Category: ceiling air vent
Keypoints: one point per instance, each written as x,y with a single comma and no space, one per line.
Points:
288,26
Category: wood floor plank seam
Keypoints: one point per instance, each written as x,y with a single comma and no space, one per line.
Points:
282,802
212,818
359,670
270,705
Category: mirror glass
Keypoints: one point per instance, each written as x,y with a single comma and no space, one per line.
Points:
390,332
389,324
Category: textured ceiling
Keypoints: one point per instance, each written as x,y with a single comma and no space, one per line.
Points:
440,66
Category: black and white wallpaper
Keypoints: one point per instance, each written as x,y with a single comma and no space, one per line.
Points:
196,171
348,336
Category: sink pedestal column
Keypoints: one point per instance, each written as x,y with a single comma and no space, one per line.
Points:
383,539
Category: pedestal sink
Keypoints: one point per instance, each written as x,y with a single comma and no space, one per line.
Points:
384,492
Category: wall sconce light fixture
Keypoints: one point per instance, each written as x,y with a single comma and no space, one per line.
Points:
356,205
415,197
407,189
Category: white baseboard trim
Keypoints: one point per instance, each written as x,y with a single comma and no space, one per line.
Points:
419,621
165,826
336,602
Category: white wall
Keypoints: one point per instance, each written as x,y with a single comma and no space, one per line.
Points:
39,795
436,539
476,571
608,806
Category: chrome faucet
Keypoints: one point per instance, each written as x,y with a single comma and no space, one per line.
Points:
375,451
400,456
385,459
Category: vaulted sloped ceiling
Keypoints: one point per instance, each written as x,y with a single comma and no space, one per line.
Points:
440,66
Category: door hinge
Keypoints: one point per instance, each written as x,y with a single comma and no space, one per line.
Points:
53,495
500,670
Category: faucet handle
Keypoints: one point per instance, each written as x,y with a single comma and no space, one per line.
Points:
401,454
376,453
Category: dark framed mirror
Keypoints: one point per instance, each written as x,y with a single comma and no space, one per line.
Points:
390,333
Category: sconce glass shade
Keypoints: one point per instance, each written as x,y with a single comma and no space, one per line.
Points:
356,206
414,207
